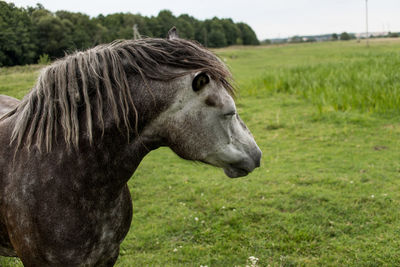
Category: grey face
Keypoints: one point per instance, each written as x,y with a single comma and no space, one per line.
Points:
202,124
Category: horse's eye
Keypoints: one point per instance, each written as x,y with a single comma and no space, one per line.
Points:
200,81
230,114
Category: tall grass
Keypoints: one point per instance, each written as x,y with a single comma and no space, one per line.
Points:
339,76
371,84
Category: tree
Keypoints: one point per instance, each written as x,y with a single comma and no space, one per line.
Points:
216,33
311,40
164,22
266,42
296,39
201,33
83,30
345,36
231,30
248,35
26,34
334,37
16,40
113,24
53,34
186,26
217,38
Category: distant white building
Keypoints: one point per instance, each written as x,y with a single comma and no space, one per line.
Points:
371,34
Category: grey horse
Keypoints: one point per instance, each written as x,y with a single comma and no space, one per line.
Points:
69,147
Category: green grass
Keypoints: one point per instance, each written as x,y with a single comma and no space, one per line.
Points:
327,193
17,81
333,76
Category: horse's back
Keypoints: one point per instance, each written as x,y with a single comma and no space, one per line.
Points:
7,103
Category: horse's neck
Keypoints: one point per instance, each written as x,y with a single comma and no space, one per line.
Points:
112,162
104,166
124,158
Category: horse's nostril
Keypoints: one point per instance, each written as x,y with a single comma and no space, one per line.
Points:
257,158
258,162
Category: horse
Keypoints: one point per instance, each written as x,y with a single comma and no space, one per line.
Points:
72,143
7,103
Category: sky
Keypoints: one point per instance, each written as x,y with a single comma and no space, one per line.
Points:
268,18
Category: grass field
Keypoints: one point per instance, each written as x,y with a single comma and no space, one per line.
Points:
327,118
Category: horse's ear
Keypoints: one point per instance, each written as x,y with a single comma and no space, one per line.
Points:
172,34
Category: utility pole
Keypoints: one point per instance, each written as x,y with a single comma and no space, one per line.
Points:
366,21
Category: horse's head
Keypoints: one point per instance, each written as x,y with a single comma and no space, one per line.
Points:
202,124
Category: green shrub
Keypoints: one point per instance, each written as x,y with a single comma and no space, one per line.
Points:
44,59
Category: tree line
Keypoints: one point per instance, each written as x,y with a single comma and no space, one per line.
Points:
28,33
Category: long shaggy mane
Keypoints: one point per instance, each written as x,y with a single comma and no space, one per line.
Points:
80,86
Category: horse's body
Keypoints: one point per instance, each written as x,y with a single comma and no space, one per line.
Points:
7,103
64,199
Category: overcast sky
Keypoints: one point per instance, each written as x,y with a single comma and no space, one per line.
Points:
268,18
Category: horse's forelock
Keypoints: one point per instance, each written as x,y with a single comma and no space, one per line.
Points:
87,81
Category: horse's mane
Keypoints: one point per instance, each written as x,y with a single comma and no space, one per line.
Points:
96,78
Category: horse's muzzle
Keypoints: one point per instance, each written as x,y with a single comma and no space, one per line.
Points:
245,166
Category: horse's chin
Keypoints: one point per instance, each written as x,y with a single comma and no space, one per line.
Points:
232,172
